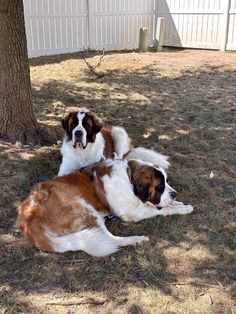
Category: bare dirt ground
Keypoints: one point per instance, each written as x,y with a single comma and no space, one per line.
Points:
180,103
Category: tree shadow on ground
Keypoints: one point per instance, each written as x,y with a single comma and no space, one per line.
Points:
166,109
190,118
32,269
55,59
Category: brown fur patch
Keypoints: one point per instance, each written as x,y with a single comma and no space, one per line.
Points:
109,145
68,120
54,205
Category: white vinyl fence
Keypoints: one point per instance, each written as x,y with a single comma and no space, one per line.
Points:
231,34
59,26
199,23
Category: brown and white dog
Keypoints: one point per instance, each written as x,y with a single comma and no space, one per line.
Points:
86,141
66,213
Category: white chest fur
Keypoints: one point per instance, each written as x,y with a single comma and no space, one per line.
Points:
76,158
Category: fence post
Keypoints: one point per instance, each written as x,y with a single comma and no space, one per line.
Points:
225,25
89,24
160,29
143,39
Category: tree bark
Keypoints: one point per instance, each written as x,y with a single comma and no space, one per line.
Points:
17,120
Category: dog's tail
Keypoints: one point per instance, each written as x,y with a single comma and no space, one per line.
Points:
148,155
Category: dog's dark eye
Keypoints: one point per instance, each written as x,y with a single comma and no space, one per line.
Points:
73,125
160,187
87,126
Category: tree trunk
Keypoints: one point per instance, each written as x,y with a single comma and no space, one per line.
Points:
17,120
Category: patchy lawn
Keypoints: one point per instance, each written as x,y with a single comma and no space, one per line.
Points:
180,103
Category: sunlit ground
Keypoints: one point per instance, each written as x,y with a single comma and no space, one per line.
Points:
180,103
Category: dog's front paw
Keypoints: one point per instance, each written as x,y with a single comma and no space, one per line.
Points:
181,208
185,209
177,203
140,239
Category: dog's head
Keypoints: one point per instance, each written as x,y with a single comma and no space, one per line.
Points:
150,183
81,128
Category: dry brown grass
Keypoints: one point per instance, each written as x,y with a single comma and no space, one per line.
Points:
181,103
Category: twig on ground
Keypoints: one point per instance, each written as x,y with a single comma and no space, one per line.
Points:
220,284
71,261
41,284
100,60
200,284
210,299
78,302
93,68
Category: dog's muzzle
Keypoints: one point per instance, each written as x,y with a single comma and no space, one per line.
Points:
78,140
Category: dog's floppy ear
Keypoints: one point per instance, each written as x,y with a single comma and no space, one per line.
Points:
65,123
141,188
96,125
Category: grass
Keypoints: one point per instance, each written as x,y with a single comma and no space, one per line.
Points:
180,103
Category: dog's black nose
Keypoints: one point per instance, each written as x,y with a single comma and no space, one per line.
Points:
173,194
78,133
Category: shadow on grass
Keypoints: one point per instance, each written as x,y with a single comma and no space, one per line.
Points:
31,270
141,266
55,59
190,118
193,98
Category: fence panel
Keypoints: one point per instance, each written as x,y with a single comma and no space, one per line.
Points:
55,26
192,23
59,26
231,42
115,24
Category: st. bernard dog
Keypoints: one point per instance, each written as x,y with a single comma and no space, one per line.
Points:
86,141
66,213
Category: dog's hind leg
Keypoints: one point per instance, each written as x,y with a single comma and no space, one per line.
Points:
96,241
